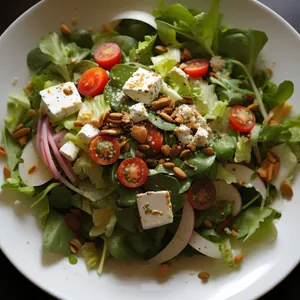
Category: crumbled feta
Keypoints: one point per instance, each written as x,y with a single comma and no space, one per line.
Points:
138,112
143,86
155,209
183,134
201,138
87,133
60,101
69,151
187,112
217,63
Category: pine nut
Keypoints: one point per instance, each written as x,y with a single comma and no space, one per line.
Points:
3,153
234,233
31,170
204,276
79,124
276,169
185,153
21,132
65,29
286,190
179,173
166,117
143,147
238,259
208,151
208,223
270,171
160,103
6,171
115,131
175,150
31,112
139,133
166,150
161,49
169,165
116,116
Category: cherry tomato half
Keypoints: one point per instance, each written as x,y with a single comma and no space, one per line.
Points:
202,194
92,82
133,172
104,150
197,67
108,55
241,118
154,139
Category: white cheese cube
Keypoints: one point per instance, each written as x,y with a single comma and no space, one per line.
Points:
69,151
60,101
177,75
143,86
155,209
138,112
87,133
201,137
183,134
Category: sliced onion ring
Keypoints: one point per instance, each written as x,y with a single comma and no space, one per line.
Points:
180,239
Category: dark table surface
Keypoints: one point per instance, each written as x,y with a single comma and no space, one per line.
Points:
14,286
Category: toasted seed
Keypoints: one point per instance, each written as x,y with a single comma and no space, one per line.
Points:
208,151
139,154
179,173
31,170
116,116
3,153
186,55
270,171
183,66
271,158
21,125
160,103
276,169
166,150
68,92
139,133
240,182
234,233
179,120
161,49
192,147
175,150
169,165
95,123
150,161
204,276
208,223
161,161
65,29
113,121
21,132
168,110
238,259
1,148
185,153
253,107
75,245
31,112
262,172
103,118
174,113
171,104
126,147
166,117
286,190
143,147
78,123
163,270
28,88
6,171
114,131
187,98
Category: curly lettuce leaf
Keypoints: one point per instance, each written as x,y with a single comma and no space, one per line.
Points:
90,255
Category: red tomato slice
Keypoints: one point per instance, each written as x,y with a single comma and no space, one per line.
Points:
155,138
133,172
241,118
108,55
202,194
197,67
105,150
92,82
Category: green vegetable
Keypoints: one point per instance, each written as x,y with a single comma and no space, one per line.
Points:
15,117
185,185
226,250
160,123
57,234
225,148
97,196
73,138
66,123
127,218
140,243
104,222
200,162
81,38
126,43
60,197
44,193
82,203
73,259
223,174
12,149
85,167
43,211
90,255
101,38
211,235
103,257
37,60
243,150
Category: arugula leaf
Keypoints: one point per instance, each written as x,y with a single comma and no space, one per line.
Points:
43,194
166,33
12,149
60,197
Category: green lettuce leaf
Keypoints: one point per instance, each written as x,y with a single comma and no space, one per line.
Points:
66,123
43,194
82,203
104,221
20,99
85,167
77,141
180,82
90,255
223,174
98,196
243,150
226,250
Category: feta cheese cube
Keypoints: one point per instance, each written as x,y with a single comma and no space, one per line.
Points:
87,133
69,151
60,101
138,112
143,86
187,112
202,137
183,134
155,209
177,75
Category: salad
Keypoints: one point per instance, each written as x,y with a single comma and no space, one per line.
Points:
147,144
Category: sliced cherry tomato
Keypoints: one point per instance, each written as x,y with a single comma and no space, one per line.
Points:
197,67
241,118
92,82
155,138
104,150
108,55
133,172
202,194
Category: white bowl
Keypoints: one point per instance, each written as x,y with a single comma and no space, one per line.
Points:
20,236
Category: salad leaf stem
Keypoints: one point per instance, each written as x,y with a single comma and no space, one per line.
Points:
251,201
103,257
253,85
